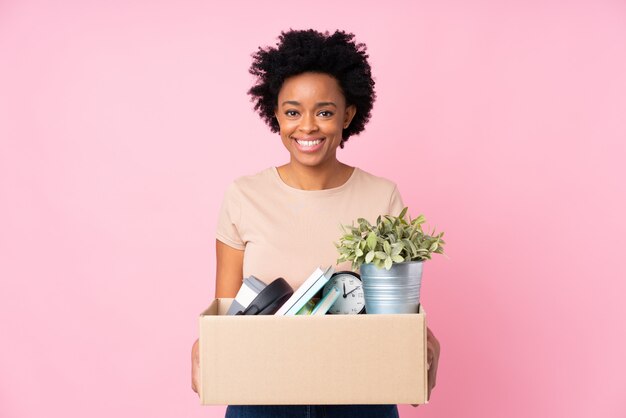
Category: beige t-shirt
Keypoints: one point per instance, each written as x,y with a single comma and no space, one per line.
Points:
288,232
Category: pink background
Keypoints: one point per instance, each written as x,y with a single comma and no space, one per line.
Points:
121,124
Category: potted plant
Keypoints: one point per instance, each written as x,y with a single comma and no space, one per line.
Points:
390,256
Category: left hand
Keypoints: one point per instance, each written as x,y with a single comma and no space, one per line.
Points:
432,358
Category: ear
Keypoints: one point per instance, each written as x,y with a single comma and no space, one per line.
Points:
349,115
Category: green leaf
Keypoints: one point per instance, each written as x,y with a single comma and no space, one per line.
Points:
409,246
380,255
388,263
371,241
358,252
370,256
396,248
397,258
363,221
387,247
406,208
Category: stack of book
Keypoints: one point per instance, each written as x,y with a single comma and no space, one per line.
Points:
306,291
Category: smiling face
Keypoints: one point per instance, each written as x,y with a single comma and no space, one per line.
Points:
312,114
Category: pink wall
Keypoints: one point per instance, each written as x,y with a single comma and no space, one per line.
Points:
121,125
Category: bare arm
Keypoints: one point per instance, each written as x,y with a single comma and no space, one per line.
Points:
228,278
229,270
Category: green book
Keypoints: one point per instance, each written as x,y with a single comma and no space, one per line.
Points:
326,302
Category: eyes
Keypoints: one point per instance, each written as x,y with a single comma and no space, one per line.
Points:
322,113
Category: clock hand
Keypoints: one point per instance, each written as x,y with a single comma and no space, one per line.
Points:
344,291
352,291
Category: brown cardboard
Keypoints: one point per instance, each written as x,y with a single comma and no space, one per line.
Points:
311,360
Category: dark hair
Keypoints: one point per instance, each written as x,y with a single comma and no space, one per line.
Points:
300,51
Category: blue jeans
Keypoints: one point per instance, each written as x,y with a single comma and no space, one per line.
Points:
312,411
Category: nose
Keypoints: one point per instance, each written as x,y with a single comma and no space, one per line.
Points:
308,123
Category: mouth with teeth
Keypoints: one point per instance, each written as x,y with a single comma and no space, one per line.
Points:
309,144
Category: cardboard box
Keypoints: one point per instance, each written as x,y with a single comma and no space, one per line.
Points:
311,360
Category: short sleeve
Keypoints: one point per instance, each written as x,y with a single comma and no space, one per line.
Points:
395,203
228,221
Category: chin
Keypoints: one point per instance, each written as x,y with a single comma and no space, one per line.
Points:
308,162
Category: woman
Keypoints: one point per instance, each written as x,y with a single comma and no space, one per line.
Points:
316,91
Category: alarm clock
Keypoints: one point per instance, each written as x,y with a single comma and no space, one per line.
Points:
351,300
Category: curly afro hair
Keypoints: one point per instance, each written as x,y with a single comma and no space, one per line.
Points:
300,51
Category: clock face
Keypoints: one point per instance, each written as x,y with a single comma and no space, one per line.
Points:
351,300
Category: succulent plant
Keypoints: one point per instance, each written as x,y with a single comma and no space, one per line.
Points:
393,239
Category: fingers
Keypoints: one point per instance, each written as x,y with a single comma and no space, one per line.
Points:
433,352
430,355
195,366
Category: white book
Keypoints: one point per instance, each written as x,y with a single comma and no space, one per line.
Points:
308,283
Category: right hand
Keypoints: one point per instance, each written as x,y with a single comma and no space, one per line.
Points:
195,367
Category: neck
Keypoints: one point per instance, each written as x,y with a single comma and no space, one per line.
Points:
330,175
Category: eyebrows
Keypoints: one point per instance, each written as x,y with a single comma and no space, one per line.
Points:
318,104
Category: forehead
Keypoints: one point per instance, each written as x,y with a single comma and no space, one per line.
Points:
311,87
